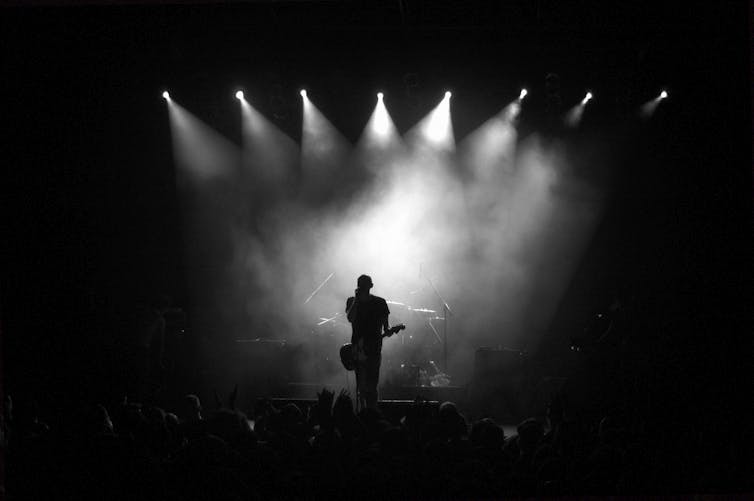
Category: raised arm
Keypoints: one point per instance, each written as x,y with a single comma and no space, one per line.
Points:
351,308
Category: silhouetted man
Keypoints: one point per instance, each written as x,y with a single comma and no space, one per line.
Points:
368,316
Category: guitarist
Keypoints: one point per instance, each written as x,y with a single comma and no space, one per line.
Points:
368,316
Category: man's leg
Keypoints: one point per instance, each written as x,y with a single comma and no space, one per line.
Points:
372,377
360,371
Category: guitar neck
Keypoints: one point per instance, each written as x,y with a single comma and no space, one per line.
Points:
393,330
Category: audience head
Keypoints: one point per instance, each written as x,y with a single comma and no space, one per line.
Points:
190,409
452,423
486,433
96,421
530,433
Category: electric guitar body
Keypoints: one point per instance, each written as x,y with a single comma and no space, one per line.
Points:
351,354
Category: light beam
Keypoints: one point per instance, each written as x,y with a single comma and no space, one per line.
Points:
197,148
489,151
324,150
648,109
436,129
269,155
380,134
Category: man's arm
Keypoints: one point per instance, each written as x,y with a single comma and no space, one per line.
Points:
351,309
385,324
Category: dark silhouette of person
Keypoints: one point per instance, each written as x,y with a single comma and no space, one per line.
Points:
145,347
368,315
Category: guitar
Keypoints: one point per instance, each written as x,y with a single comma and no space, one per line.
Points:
350,354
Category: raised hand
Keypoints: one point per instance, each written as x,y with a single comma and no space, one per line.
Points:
324,408
343,409
325,398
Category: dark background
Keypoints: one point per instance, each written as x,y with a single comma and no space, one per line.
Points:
92,218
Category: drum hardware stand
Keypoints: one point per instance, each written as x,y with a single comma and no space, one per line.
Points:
446,311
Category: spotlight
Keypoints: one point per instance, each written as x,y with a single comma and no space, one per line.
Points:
303,92
587,98
664,94
447,94
239,95
523,94
166,95
380,95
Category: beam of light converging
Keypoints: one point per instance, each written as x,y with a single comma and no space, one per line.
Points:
379,143
381,124
574,115
380,130
197,148
269,155
489,151
543,220
648,109
207,168
435,131
324,151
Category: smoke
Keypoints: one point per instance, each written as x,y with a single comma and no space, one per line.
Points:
495,227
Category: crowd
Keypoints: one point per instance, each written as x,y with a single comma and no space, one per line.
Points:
323,451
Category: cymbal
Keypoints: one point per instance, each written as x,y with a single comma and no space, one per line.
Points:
423,310
334,319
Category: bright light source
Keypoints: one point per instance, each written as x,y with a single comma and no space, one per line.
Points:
239,95
437,127
380,131
303,92
587,98
448,94
166,95
664,94
523,94
381,124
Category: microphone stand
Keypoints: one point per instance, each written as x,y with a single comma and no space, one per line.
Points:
446,311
